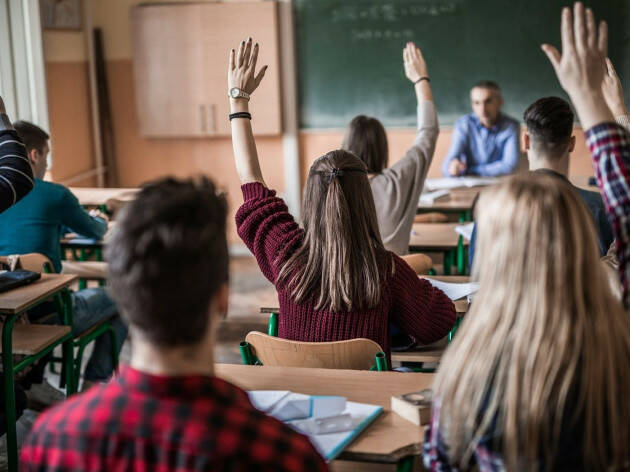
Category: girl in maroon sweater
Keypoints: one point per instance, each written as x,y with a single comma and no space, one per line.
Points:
334,278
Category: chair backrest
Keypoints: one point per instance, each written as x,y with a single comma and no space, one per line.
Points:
33,261
420,263
358,354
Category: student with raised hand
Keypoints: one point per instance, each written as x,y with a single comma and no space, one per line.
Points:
16,176
166,410
581,70
397,189
536,377
335,279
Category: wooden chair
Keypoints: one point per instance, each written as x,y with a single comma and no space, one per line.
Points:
431,217
356,354
420,263
40,263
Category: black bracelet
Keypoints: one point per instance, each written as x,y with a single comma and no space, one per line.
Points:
240,114
421,79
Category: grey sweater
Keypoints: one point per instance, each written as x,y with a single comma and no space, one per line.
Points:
397,189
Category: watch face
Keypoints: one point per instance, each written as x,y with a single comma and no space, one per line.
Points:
234,92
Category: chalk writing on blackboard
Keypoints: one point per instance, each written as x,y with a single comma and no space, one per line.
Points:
380,34
389,12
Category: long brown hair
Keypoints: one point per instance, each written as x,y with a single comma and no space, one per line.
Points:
545,346
366,138
338,260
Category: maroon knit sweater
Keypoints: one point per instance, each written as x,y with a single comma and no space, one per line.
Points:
422,311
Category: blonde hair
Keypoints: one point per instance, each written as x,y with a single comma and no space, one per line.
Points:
545,346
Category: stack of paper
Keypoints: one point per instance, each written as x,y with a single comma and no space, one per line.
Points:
456,182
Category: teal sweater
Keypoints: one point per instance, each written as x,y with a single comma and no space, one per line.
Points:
34,223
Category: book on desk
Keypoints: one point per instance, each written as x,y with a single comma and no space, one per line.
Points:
330,422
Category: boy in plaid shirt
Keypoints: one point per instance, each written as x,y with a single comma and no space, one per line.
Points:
168,263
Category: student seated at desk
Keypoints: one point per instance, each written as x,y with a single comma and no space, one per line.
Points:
335,279
34,224
484,142
549,143
536,378
397,189
166,411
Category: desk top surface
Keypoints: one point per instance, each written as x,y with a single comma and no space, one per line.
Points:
434,236
388,439
460,199
90,196
20,299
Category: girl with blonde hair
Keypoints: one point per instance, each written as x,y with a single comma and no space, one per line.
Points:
536,378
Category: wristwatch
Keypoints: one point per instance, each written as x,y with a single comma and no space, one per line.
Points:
236,92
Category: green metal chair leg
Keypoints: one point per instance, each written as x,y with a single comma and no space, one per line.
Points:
246,353
381,362
432,271
272,327
461,256
405,465
9,393
448,262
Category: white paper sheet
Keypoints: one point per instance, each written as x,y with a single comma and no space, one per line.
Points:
457,182
455,291
265,400
430,197
465,230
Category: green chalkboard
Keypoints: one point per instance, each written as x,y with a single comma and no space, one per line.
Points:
349,54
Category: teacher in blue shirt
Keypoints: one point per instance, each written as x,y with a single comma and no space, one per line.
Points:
485,142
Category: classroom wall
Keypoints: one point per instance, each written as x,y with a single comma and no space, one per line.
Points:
140,159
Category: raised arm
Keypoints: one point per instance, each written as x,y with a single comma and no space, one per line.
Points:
581,69
242,81
613,93
416,71
16,175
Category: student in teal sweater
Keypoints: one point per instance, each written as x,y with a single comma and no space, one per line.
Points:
34,225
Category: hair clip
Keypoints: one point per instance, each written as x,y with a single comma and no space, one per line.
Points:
335,172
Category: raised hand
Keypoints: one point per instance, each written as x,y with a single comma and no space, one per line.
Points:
581,67
242,68
613,91
415,66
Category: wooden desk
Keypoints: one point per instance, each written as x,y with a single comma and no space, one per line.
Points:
389,439
440,237
94,197
13,303
21,299
459,200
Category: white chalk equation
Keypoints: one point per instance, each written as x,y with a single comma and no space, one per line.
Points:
380,34
390,12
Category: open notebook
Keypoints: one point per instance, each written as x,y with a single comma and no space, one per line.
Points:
330,422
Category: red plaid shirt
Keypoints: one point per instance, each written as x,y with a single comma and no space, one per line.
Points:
142,422
610,146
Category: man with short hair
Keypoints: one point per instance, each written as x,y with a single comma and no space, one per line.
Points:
549,141
168,263
34,225
485,142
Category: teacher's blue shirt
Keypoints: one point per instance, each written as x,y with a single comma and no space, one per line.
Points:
485,151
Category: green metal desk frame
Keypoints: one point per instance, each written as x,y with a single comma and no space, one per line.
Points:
64,306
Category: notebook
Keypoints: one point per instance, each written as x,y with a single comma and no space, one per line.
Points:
313,415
